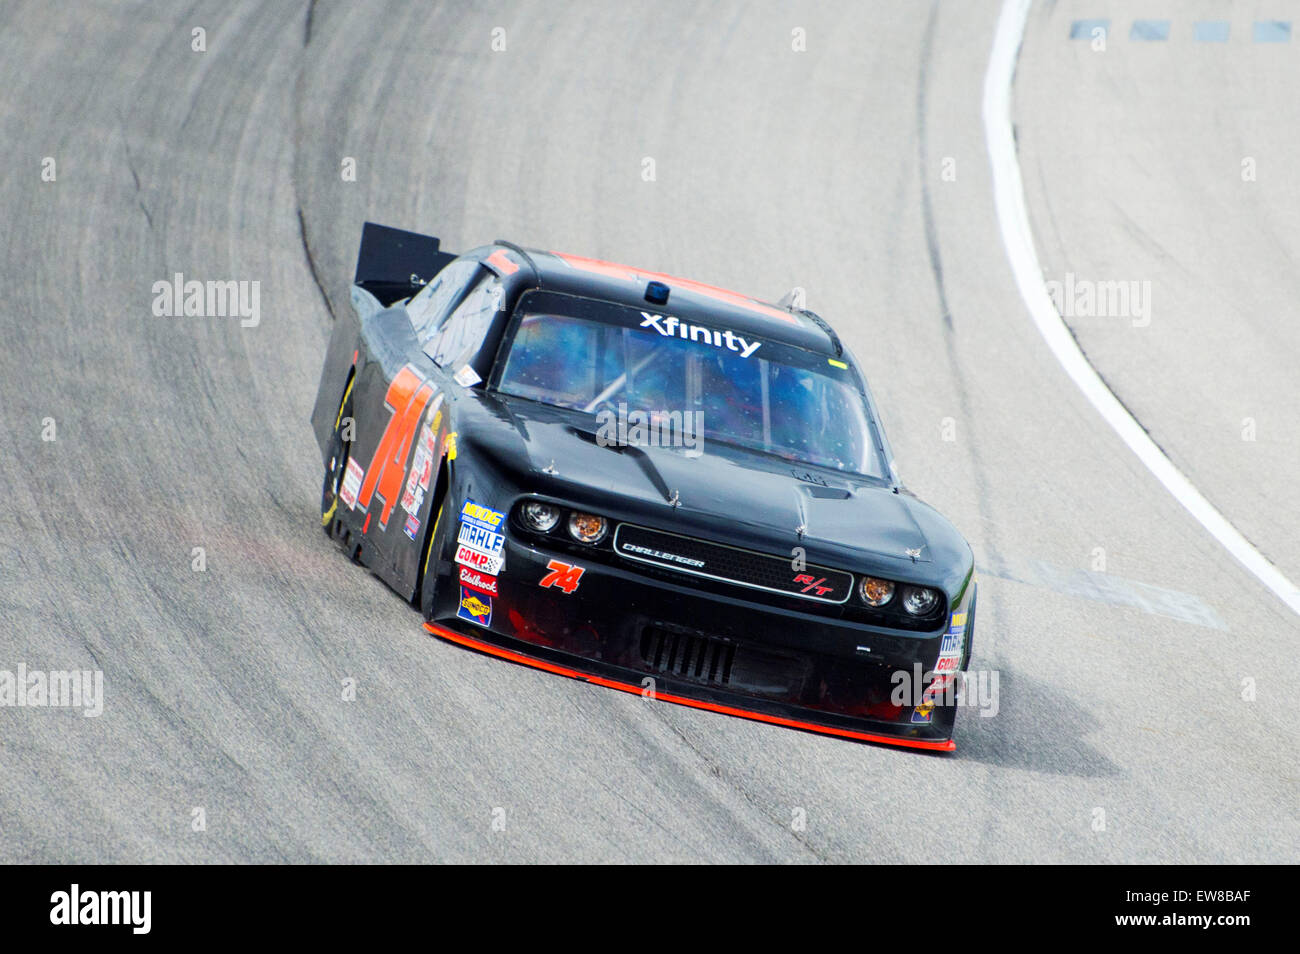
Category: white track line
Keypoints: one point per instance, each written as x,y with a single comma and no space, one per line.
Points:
1009,195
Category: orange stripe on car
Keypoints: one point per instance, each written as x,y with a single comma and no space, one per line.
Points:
501,261
501,652
627,273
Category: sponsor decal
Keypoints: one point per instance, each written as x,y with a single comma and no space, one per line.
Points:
475,607
670,326
562,575
480,539
417,482
467,377
478,581
411,527
476,538
477,560
352,477
412,497
923,713
479,516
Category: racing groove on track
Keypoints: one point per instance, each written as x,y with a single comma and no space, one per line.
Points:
773,168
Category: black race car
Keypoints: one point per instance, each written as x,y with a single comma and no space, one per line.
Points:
640,481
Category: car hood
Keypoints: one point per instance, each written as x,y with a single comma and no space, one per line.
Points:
731,495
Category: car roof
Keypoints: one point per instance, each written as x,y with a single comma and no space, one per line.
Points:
688,299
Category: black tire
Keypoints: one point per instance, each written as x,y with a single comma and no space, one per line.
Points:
970,633
336,464
430,565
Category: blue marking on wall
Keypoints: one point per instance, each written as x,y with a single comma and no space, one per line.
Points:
1149,30
1212,31
1272,31
1082,29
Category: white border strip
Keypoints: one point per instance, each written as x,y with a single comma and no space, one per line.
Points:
1009,196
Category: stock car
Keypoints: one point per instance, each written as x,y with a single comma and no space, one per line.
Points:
640,481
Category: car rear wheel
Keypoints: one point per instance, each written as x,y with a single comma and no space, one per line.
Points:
336,464
431,564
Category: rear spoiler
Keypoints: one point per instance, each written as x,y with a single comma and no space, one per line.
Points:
393,264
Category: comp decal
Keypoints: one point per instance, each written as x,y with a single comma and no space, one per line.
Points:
565,576
477,560
475,607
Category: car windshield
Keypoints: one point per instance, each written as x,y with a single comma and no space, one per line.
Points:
776,399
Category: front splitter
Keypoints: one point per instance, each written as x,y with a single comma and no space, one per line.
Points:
501,652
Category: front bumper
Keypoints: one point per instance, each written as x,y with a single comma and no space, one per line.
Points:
621,629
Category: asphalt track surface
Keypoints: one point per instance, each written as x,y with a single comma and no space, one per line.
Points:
1123,685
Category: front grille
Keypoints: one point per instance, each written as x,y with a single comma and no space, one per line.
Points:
717,561
680,653
688,655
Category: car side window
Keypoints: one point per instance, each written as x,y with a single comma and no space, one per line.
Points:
463,332
428,309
